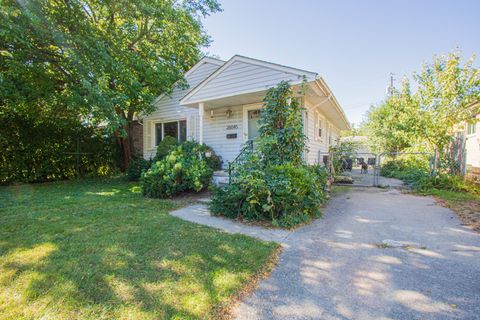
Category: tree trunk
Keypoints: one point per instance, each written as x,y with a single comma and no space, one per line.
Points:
125,142
125,148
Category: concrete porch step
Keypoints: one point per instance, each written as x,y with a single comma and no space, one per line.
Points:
220,173
220,178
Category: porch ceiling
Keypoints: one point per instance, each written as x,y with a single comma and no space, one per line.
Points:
317,93
240,99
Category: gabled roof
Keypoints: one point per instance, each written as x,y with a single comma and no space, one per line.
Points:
256,62
202,61
205,59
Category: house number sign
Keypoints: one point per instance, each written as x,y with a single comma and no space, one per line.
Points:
232,127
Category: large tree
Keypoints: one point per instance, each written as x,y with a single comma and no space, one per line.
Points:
424,120
107,60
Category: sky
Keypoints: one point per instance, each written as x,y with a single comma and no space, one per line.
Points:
353,45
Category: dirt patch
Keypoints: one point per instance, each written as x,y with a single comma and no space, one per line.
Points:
468,211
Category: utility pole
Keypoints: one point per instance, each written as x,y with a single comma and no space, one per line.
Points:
392,79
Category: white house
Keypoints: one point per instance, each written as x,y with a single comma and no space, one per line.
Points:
469,136
222,103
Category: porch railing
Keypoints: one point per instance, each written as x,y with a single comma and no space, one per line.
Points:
233,166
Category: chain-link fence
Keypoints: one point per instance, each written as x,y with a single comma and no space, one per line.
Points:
356,169
371,169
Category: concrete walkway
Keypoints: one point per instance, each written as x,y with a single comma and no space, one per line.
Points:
377,254
199,214
366,179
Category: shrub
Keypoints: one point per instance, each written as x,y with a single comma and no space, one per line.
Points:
40,146
213,161
342,152
284,194
136,166
164,147
272,183
228,201
183,169
416,174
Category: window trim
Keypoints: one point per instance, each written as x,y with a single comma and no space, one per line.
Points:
471,129
328,134
155,123
320,124
245,109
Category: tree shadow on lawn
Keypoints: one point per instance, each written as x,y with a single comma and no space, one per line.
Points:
103,253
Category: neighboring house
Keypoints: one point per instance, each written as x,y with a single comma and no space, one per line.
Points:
361,144
468,137
221,107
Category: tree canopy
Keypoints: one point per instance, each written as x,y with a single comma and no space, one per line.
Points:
107,60
447,89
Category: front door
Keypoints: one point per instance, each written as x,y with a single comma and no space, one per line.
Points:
253,117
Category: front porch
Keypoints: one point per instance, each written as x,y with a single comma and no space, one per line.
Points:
227,128
228,103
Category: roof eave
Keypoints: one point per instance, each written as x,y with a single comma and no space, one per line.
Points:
324,85
308,74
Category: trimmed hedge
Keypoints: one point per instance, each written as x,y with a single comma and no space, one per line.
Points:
39,147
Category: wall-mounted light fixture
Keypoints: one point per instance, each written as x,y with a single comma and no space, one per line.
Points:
229,113
211,113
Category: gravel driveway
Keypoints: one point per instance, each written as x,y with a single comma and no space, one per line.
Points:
341,267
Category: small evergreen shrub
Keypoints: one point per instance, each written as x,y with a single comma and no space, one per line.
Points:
164,147
183,169
136,166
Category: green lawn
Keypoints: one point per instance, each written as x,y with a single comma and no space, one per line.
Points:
97,249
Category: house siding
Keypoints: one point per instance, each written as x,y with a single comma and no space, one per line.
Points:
238,77
472,150
168,109
242,77
215,132
314,144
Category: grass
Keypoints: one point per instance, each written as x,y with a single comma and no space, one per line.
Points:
337,190
97,249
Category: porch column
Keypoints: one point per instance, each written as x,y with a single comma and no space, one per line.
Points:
201,110
305,128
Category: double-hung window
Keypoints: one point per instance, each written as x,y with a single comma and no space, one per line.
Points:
471,128
176,129
319,124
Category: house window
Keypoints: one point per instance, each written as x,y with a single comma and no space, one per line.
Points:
182,136
158,133
170,129
319,127
176,129
472,128
328,134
